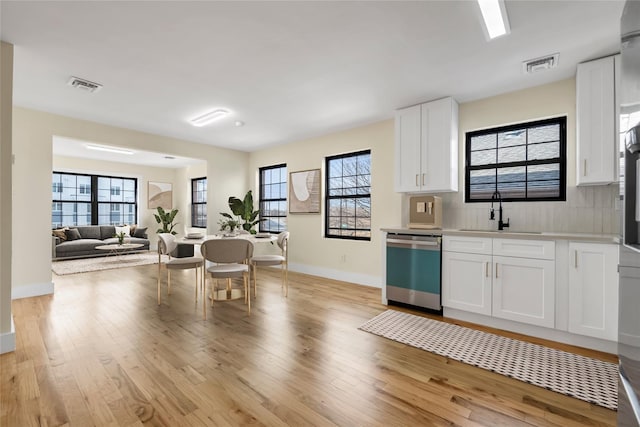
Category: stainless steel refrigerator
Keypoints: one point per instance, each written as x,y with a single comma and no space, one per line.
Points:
629,267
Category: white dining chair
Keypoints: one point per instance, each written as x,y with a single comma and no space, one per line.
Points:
166,245
272,259
230,258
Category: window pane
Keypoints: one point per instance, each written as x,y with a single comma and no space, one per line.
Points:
483,142
550,133
486,157
512,138
511,154
548,150
516,174
483,176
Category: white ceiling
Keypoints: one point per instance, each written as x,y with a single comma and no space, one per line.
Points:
289,70
69,147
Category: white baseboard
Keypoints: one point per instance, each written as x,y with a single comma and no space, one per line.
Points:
8,340
33,290
345,276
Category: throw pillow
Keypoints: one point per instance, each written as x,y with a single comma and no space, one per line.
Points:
126,230
59,233
132,229
140,232
72,234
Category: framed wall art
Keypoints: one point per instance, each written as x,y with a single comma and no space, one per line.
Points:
160,194
304,191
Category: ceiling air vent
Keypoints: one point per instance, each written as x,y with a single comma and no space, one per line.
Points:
83,84
540,64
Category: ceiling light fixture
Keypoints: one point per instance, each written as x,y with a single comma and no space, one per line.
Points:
209,117
109,149
239,123
494,14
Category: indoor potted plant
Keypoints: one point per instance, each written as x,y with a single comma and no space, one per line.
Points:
165,218
243,209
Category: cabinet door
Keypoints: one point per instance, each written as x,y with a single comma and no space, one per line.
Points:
408,140
524,290
466,282
593,290
596,138
439,146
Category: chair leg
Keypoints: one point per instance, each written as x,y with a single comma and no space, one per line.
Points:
204,300
159,272
196,287
247,287
286,279
168,282
255,281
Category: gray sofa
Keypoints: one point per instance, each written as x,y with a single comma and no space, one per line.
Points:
90,237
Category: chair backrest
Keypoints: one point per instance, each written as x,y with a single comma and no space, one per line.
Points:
283,241
227,250
167,243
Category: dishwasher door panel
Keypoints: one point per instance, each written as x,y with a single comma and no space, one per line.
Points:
413,275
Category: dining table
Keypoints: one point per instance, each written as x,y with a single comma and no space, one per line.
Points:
194,239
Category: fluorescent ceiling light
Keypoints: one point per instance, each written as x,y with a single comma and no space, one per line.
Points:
109,149
209,117
495,17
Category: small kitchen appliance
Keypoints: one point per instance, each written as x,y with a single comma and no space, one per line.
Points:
425,212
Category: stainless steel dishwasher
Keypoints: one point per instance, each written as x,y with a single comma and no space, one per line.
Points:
413,270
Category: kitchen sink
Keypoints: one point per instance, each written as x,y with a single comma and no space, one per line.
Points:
487,230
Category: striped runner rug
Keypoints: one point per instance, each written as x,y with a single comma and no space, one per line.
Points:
581,377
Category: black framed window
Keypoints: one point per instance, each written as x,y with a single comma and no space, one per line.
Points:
348,196
524,162
82,199
273,198
199,202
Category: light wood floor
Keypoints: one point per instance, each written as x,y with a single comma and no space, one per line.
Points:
101,352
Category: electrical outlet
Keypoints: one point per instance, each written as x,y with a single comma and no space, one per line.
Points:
343,258
421,207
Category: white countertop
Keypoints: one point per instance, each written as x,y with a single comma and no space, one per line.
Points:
508,234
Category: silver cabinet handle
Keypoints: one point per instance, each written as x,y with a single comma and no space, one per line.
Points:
584,169
496,270
417,183
575,258
423,178
486,269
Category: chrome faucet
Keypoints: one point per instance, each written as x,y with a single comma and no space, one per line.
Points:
497,196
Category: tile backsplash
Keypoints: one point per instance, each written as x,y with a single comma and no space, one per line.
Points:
593,209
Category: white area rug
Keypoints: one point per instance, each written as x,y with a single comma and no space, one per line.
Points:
584,378
84,265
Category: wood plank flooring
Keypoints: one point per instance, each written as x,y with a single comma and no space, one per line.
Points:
101,352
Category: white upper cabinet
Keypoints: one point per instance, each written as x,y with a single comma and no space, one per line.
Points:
427,147
597,148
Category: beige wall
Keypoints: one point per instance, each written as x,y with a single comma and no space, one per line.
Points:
587,209
355,261
32,138
180,178
590,209
7,335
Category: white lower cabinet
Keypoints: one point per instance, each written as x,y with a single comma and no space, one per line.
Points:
524,290
593,290
466,282
519,288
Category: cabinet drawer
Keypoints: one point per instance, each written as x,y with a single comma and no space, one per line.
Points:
471,245
538,249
